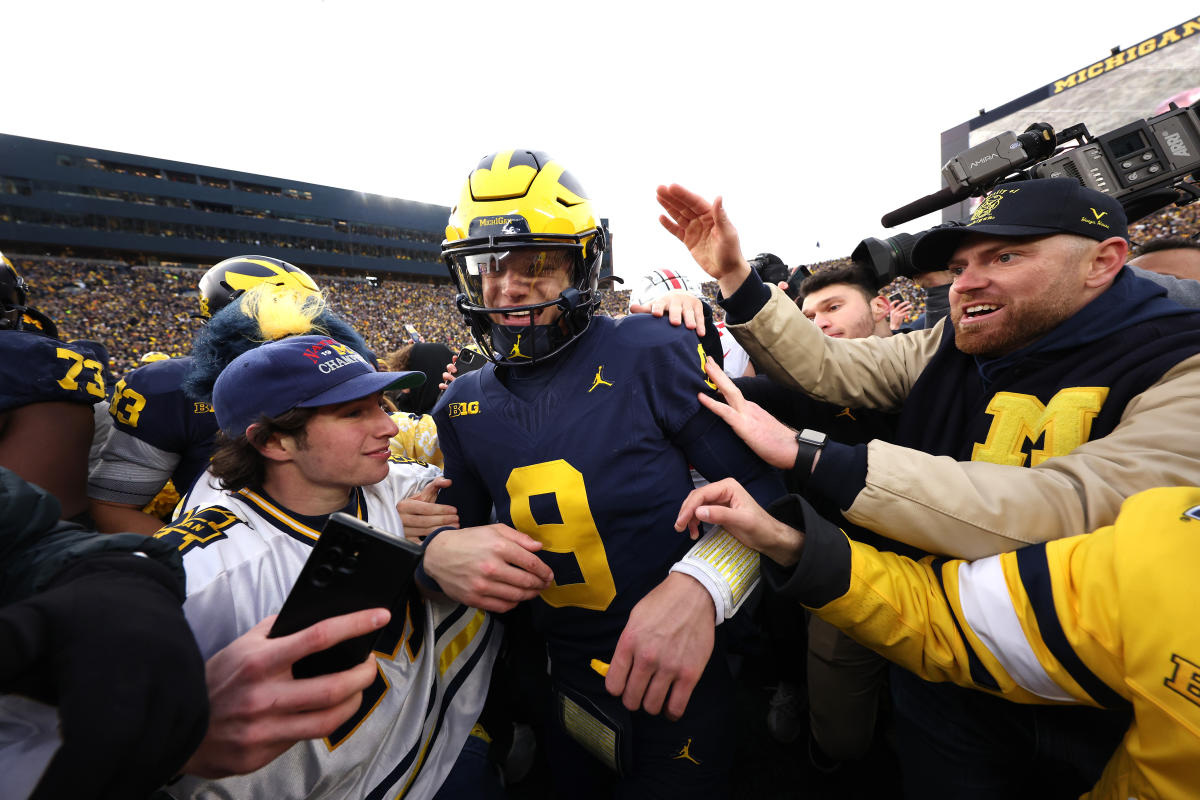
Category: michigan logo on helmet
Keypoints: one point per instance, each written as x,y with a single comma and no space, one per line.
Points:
524,247
227,280
151,356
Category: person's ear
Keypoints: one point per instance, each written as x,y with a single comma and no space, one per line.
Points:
880,308
1106,261
276,447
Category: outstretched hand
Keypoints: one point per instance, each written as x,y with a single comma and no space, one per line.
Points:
770,439
259,710
705,230
727,504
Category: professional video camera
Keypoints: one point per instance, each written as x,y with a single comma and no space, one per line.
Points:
1143,165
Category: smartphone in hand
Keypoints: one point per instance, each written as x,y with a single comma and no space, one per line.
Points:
352,567
469,360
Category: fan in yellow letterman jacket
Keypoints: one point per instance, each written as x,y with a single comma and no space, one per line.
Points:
1105,619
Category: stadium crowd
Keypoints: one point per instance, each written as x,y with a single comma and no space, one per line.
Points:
892,404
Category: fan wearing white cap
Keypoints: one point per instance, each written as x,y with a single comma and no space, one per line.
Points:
303,435
733,358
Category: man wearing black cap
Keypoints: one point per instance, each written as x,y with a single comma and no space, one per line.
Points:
1060,385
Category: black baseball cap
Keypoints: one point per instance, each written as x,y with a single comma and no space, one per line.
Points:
1039,207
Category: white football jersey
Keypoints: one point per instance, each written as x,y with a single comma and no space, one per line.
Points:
734,356
242,553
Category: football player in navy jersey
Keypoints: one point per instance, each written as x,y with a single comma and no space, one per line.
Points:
580,434
47,390
159,432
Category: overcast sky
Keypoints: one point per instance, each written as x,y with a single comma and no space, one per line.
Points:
811,119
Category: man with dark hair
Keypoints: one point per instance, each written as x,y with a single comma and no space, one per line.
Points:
302,436
1061,384
844,303
1170,255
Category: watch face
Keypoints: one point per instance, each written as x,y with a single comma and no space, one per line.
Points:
814,438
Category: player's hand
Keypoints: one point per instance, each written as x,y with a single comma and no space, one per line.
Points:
664,648
492,567
422,516
258,710
727,504
681,308
770,439
450,373
705,229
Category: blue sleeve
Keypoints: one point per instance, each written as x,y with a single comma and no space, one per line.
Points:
674,380
748,300
466,492
716,452
38,369
841,473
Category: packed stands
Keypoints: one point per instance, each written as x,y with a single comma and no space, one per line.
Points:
132,309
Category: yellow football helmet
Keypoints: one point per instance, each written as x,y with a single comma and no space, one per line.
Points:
520,209
226,281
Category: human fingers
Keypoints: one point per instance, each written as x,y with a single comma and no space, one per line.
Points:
430,492
672,227
725,385
688,201
520,554
722,410
638,680
323,692
327,633
681,694
618,671
656,692
640,308
671,205
705,495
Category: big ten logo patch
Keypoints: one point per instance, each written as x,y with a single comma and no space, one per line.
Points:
463,409
1062,424
199,527
201,408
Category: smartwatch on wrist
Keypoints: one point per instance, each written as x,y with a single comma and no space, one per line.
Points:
809,444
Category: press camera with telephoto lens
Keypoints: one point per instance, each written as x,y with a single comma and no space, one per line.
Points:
1144,165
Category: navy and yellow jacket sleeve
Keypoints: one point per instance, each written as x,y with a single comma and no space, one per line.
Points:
1103,619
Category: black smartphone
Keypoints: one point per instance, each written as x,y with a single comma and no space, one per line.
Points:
469,360
793,284
351,567
895,297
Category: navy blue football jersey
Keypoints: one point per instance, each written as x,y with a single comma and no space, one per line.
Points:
149,404
595,468
37,369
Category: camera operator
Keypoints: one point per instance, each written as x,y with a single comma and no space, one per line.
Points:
1054,358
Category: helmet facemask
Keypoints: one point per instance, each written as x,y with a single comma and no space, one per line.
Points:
554,274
